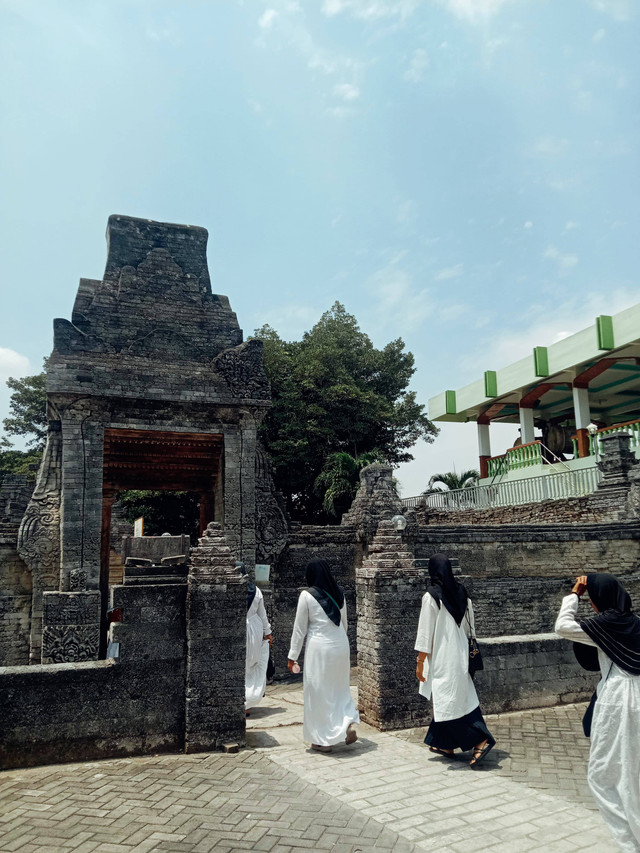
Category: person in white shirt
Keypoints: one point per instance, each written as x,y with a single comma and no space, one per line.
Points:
321,617
614,756
259,639
446,623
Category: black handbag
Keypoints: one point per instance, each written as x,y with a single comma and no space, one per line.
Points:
475,658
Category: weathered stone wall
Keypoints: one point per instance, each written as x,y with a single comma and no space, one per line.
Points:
337,545
519,573
216,646
101,709
15,577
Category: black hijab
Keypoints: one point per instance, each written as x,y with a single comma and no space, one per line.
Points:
615,629
445,588
251,587
324,588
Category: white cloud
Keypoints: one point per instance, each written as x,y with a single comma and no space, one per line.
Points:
619,10
267,18
565,263
528,224
370,10
599,35
399,302
407,211
449,273
346,91
418,65
551,146
474,11
13,364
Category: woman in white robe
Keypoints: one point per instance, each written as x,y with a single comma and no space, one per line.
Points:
259,639
614,758
321,617
446,623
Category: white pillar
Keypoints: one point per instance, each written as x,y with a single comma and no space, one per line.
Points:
484,440
581,407
526,426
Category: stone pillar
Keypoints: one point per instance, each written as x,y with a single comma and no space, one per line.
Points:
216,646
484,448
82,463
389,591
526,426
71,626
582,412
617,495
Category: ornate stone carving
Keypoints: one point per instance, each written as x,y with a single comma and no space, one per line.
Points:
69,643
243,370
271,520
39,534
77,580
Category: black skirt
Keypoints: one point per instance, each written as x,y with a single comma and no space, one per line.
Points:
463,733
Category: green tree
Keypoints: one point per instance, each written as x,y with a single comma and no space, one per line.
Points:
334,392
339,479
163,511
28,410
451,481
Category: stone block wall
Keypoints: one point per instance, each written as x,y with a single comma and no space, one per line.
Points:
337,545
15,577
102,709
530,671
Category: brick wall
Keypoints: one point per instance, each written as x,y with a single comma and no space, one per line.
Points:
15,577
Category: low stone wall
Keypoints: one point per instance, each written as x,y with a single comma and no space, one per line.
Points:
337,545
101,709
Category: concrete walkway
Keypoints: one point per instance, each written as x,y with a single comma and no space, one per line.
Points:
386,792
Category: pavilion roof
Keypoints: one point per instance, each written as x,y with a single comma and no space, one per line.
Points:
605,357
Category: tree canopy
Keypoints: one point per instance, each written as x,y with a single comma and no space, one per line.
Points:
333,392
28,420
451,481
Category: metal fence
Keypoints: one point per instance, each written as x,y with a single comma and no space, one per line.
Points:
552,487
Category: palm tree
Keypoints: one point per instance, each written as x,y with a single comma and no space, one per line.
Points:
451,481
338,481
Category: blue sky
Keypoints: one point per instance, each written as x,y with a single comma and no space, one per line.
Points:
460,173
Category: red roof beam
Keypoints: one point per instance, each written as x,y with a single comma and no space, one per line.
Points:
531,398
584,378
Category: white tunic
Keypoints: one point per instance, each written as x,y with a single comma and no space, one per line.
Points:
614,758
447,670
255,676
328,706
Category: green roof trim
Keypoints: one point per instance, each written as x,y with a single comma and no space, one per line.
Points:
604,325
541,361
490,383
450,402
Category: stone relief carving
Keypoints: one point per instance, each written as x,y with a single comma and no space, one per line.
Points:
39,533
271,520
69,643
243,370
376,499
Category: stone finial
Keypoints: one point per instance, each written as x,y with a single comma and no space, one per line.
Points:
376,499
212,558
617,459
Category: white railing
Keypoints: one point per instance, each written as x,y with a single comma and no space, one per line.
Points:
553,487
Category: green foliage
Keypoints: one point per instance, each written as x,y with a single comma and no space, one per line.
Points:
450,481
339,479
164,512
334,392
28,410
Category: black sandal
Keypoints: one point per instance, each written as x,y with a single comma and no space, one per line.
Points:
480,753
442,752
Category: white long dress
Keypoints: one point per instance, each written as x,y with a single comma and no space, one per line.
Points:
614,758
446,672
328,706
255,677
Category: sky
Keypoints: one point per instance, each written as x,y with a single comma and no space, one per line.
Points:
463,174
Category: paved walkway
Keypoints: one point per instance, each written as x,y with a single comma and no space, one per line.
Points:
386,792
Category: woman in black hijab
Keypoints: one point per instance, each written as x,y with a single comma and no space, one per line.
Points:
613,634
321,617
446,623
